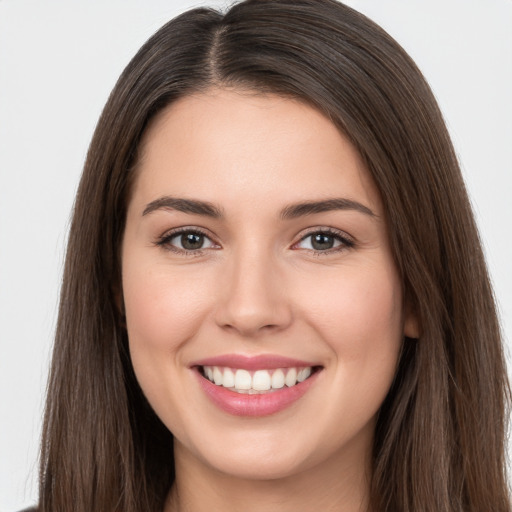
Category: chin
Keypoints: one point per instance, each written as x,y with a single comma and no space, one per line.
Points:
260,468
251,456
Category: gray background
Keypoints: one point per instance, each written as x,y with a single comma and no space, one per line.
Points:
58,63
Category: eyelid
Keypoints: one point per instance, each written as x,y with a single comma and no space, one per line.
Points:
164,239
347,241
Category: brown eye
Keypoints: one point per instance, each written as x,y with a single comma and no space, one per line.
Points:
187,241
191,241
323,241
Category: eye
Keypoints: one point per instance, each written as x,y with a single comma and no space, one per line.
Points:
323,241
186,241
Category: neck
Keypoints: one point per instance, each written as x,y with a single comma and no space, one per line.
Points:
330,487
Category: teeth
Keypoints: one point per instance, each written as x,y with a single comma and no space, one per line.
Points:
278,379
303,374
261,380
217,376
291,377
243,381
229,379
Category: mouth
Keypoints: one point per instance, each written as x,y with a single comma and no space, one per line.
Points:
240,380
255,386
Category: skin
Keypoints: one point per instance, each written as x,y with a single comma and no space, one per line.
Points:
258,287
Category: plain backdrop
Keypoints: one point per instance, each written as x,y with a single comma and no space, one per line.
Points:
58,63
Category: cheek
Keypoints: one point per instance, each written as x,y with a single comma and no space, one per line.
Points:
361,321
164,310
160,308
357,307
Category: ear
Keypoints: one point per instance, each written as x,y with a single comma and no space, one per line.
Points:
411,323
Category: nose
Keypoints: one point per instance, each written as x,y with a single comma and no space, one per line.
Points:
253,299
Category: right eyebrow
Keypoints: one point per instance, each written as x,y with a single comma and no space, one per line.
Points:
184,205
312,207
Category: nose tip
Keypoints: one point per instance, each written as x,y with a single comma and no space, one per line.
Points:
251,321
254,302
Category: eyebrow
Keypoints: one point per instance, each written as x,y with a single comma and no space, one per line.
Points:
207,209
311,207
184,205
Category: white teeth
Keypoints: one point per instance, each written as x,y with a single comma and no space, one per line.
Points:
217,376
278,379
229,379
243,379
261,380
303,374
291,377
256,382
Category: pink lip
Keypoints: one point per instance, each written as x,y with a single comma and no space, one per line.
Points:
260,362
239,404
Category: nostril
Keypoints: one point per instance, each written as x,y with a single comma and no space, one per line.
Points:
252,302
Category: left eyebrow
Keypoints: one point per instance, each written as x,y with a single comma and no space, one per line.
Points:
311,207
192,206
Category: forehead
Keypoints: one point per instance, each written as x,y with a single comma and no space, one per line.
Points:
228,144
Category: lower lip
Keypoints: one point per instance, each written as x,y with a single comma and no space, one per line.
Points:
241,404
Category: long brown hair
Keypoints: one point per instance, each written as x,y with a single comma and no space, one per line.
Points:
439,442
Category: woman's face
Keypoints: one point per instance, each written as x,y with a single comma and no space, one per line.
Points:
256,255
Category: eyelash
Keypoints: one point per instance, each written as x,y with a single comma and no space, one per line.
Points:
346,242
165,241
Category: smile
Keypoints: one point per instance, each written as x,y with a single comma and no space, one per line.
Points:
255,385
256,382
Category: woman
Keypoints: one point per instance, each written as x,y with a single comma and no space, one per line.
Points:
274,294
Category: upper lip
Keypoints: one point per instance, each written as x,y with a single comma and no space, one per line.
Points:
259,362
